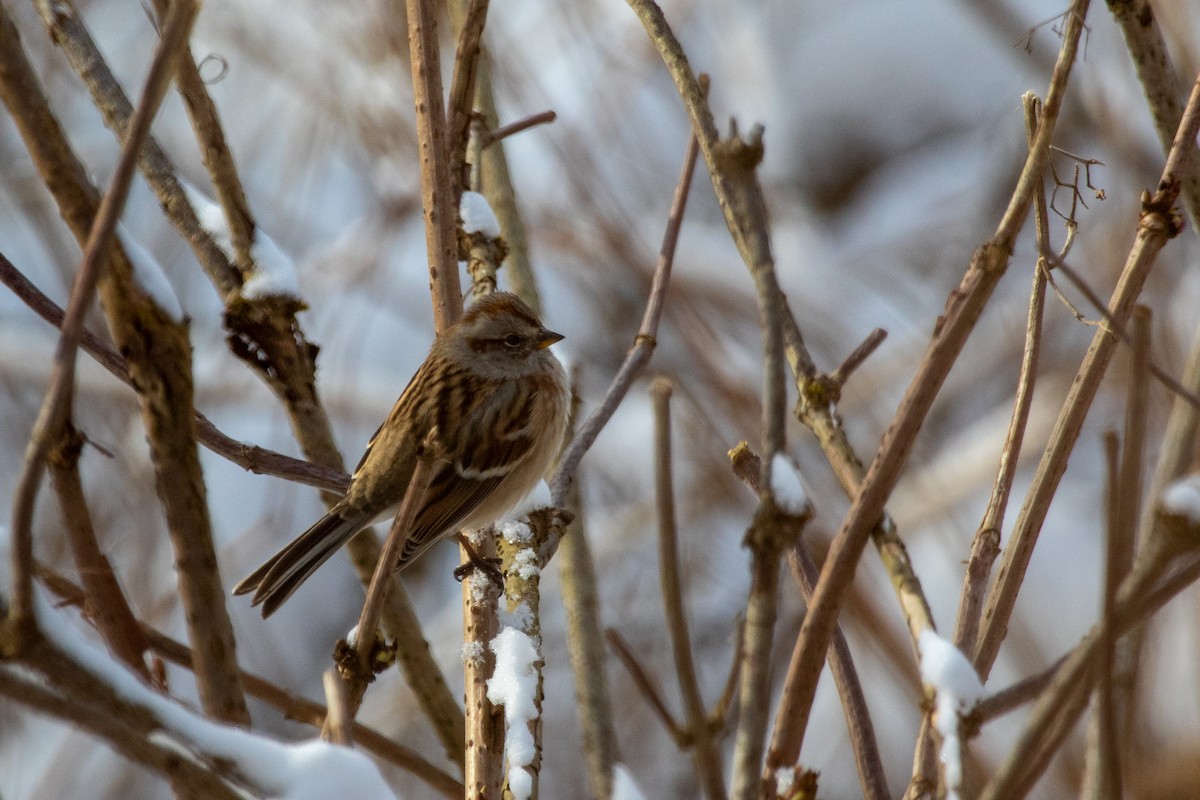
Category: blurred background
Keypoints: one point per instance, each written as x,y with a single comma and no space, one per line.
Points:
894,135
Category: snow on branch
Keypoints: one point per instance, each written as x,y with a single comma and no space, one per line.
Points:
477,216
787,485
148,274
311,770
957,687
274,273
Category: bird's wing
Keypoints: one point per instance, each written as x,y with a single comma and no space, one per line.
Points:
460,486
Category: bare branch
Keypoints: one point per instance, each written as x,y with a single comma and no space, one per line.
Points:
647,686
1158,224
644,342
361,669
964,306
841,661
437,194
704,751
55,409
520,126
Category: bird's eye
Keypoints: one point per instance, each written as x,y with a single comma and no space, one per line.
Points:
512,340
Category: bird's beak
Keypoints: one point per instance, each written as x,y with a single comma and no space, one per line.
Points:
547,338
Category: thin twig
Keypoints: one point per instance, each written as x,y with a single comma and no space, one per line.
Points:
718,716
1012,697
214,150
644,342
871,773
1104,767
646,685
494,179
1099,770
1162,85
259,460
107,606
816,408
462,91
704,751
986,545
858,356
368,620
520,126
585,639
1167,379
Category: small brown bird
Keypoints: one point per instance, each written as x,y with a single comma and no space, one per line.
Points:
494,399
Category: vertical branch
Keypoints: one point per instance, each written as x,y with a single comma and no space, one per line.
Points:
585,647
769,535
1101,770
1104,763
1161,83
214,150
841,663
437,196
518,547
704,751
483,772
494,179
468,60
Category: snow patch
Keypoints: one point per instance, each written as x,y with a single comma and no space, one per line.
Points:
274,272
148,274
477,216
958,689
787,485
514,685
311,770
624,786
1182,498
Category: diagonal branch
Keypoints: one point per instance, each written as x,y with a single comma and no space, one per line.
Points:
1158,224
963,309
55,409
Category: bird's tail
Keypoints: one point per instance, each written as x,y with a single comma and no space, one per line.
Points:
282,574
